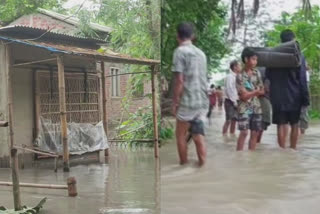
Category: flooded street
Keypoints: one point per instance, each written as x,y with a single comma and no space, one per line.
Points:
267,181
127,184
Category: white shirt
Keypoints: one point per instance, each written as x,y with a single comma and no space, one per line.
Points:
308,76
230,89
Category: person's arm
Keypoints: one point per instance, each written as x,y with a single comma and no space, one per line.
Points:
178,69
260,85
303,83
178,89
244,95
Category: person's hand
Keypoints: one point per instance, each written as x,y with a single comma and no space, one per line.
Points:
235,103
174,109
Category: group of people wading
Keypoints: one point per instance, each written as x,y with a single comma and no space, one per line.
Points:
253,98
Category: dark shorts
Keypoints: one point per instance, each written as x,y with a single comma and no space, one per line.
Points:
196,127
285,117
250,121
231,110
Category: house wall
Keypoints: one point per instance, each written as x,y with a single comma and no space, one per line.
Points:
23,106
45,22
114,106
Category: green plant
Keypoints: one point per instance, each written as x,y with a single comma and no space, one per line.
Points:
314,114
25,209
139,125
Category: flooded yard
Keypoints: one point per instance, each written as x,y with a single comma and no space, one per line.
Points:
127,184
268,181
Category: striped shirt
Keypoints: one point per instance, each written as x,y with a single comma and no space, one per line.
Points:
192,63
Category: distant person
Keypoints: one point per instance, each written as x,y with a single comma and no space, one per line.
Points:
231,99
212,100
190,100
265,105
250,87
219,93
288,94
304,117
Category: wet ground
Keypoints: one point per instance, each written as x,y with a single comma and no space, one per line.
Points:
267,181
127,184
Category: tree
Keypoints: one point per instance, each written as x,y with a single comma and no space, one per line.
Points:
13,9
208,18
238,14
307,34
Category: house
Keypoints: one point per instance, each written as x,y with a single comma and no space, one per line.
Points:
117,86
55,89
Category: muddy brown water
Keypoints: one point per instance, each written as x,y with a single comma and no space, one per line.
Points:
127,184
267,181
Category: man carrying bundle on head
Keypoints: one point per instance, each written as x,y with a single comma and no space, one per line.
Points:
289,95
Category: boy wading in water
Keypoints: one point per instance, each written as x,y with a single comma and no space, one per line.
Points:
190,101
249,86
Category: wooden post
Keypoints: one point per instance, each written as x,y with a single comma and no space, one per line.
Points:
72,187
154,111
13,152
36,93
104,98
63,116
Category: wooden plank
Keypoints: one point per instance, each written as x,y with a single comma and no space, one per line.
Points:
154,111
13,151
63,116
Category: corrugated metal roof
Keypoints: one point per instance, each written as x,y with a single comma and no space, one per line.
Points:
21,29
73,21
77,51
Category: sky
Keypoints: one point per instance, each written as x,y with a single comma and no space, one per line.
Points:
276,7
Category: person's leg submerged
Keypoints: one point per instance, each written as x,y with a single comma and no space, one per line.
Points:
225,127
253,140
181,132
233,127
201,148
282,135
294,135
241,139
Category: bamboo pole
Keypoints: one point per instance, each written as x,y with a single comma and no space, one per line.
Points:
36,92
142,72
104,98
35,151
71,186
13,151
33,62
137,140
154,111
63,116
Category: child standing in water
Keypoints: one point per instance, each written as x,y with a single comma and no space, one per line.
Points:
220,97
250,87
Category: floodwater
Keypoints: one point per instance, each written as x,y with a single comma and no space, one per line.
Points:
129,183
267,181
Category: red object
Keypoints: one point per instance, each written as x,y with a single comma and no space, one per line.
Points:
213,98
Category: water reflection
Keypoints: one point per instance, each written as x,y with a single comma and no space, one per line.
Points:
127,184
